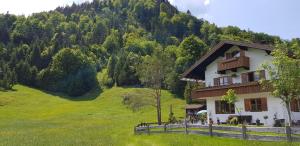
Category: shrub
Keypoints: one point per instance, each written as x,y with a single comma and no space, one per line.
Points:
71,72
172,119
138,99
104,79
233,121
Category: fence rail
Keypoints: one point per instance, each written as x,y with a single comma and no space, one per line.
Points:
243,132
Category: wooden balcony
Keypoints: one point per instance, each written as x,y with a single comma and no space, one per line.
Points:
241,88
233,64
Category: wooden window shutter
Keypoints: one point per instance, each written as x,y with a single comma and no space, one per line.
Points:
244,77
293,108
294,105
247,103
216,81
264,104
262,74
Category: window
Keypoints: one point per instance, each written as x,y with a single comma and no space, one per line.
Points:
253,76
222,107
257,76
221,81
224,81
256,104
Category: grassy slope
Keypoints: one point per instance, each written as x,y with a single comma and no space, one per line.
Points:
32,117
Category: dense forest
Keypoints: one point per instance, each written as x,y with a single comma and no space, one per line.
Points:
76,48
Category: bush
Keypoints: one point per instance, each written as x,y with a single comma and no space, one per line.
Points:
71,72
81,82
233,121
104,79
138,99
172,119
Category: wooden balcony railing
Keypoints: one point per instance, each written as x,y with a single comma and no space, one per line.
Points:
241,88
233,64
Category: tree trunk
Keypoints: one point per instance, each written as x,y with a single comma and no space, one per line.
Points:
288,107
158,106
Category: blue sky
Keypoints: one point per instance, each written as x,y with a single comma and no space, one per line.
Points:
275,17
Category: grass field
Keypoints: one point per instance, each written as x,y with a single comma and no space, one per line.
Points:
32,117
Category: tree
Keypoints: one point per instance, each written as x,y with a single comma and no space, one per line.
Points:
192,48
284,72
35,57
231,98
99,32
71,72
111,67
112,42
190,86
209,33
125,69
7,76
152,72
25,74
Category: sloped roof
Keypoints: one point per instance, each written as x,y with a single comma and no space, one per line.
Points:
197,70
193,106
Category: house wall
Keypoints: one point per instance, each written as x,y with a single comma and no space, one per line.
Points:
275,106
257,58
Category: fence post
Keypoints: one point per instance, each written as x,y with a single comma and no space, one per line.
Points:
210,129
165,128
185,124
288,132
148,129
244,131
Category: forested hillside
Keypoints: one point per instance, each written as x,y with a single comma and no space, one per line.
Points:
62,50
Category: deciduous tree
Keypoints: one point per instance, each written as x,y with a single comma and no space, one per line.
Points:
284,72
152,72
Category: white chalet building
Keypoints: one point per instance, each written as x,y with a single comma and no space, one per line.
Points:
237,65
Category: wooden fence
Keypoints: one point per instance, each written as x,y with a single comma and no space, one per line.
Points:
243,132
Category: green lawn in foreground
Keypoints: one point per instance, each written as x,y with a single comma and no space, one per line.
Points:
32,117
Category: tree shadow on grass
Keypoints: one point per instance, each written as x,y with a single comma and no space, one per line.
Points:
90,95
8,90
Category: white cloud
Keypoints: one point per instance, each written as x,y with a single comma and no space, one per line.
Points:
197,7
27,7
206,2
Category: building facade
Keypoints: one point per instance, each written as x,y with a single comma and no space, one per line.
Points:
238,66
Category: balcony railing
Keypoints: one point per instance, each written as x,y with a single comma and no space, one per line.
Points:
240,88
233,64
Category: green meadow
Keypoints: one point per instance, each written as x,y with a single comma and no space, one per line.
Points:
36,118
